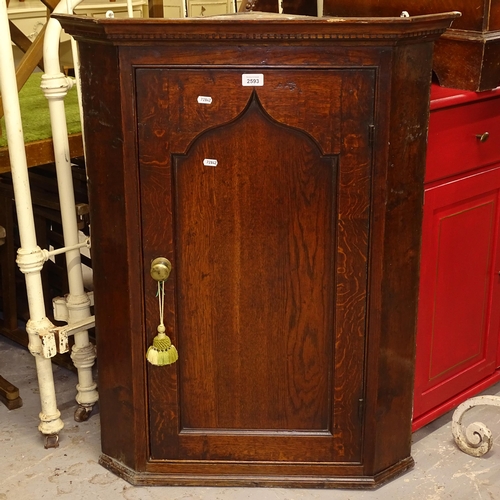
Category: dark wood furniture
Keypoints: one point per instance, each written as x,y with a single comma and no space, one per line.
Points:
278,164
459,313
302,7
459,307
259,5
9,395
467,56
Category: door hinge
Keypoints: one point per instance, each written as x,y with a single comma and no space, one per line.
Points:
371,134
361,408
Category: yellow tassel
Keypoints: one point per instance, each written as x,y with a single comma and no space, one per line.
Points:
162,352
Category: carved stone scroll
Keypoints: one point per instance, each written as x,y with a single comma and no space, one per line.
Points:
474,439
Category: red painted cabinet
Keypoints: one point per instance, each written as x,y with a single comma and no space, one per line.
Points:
459,306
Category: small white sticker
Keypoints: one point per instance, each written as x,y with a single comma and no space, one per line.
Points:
210,163
203,99
252,80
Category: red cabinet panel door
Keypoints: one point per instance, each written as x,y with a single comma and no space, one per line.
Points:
459,288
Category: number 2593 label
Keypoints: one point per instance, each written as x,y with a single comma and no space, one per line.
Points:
252,80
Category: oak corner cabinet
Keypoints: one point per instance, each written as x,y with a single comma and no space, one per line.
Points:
278,163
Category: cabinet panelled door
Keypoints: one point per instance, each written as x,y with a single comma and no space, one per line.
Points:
259,195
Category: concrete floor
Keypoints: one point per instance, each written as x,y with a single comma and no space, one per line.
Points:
28,471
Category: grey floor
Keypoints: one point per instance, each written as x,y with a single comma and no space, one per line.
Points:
28,471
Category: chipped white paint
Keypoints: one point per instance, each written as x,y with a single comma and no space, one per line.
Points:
475,439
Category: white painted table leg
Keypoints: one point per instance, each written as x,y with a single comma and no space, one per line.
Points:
29,258
55,86
476,438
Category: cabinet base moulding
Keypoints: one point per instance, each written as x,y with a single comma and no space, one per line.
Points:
162,477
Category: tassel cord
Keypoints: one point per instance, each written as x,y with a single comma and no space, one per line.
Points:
161,302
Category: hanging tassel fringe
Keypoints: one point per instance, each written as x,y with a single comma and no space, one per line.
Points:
162,352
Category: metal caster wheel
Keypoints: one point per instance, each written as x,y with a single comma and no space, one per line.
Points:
51,441
82,413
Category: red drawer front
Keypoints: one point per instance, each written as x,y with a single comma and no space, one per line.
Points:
454,144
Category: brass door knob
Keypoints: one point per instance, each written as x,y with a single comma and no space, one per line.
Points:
483,137
160,269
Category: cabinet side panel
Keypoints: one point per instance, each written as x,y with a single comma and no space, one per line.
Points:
111,251
409,113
